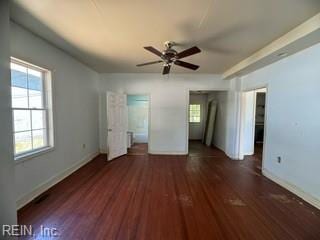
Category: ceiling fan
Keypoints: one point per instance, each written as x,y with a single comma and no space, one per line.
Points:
170,56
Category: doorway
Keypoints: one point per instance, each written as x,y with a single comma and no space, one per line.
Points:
206,120
138,123
260,104
253,122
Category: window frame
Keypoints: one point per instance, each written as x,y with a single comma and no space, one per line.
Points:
192,104
46,107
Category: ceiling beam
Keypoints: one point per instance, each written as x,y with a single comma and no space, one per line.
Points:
301,37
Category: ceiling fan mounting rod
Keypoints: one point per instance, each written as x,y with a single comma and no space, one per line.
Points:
169,44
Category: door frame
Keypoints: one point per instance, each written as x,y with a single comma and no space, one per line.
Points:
242,118
189,90
149,113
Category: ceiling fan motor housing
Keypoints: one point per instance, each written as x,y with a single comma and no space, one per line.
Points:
169,55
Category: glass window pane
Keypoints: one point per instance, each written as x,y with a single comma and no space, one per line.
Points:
22,120
194,113
19,86
35,89
35,99
22,142
38,119
39,138
19,97
29,118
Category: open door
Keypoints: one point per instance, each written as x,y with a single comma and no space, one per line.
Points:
117,124
211,118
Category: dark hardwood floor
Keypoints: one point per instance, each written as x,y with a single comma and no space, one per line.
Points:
202,196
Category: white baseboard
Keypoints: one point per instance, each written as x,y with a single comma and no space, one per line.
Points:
233,157
53,180
103,149
292,188
166,153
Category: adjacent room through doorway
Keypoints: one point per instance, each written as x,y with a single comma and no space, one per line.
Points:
260,103
138,123
207,119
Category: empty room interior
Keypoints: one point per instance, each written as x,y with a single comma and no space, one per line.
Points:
163,119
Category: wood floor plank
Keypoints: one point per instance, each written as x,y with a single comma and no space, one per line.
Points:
149,197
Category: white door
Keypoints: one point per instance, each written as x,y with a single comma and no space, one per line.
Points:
117,124
211,122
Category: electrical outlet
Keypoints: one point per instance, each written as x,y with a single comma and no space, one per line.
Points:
279,159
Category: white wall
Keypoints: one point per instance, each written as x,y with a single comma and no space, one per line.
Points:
231,102
227,126
293,118
220,135
75,106
169,99
7,194
196,129
247,123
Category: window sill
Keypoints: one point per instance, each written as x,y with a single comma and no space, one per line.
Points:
28,156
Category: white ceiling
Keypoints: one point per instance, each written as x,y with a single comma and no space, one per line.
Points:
108,35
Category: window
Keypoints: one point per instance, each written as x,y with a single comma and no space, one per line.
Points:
194,113
32,125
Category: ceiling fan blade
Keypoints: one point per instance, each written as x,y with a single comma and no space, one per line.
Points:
186,65
166,69
153,50
188,52
149,63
